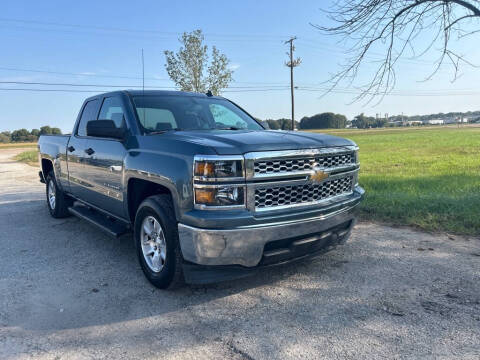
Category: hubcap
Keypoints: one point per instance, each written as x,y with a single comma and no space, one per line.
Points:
154,246
51,194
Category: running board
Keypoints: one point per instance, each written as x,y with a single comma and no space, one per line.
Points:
114,228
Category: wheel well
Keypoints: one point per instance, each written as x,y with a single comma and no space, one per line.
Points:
47,166
138,190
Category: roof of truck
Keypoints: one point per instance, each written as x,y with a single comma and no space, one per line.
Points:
153,92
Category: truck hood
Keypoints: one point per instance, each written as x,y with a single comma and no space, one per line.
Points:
234,142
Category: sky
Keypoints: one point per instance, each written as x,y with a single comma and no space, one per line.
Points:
98,44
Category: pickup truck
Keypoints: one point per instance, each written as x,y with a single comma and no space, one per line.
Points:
208,192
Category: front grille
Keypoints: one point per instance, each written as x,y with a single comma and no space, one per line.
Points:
301,194
303,164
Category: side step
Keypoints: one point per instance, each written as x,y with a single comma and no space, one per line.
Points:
114,228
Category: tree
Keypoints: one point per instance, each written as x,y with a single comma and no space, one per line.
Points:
22,135
394,26
191,70
35,132
4,138
326,120
45,130
364,122
273,124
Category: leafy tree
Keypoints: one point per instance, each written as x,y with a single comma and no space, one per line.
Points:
35,132
45,130
399,28
281,124
22,135
273,124
364,122
190,68
326,120
4,138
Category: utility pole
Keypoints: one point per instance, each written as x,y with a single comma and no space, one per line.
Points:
291,64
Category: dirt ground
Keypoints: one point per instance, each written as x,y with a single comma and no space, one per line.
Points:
67,291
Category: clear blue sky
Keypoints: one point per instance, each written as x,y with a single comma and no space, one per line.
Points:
250,33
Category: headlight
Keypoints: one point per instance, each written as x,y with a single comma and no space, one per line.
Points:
209,169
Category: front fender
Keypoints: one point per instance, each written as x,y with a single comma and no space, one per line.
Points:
173,171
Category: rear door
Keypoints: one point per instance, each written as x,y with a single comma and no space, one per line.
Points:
104,166
76,150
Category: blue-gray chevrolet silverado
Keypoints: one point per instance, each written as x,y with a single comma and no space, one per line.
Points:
207,191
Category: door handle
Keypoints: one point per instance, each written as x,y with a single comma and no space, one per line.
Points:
71,148
90,151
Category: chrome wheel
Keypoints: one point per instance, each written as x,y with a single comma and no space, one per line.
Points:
51,194
154,245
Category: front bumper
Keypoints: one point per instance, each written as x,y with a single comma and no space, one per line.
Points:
246,245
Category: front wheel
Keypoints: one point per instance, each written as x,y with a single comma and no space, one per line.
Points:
156,241
57,201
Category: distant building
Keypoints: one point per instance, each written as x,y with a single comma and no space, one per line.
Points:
414,122
434,122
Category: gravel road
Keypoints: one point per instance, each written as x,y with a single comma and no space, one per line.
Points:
67,291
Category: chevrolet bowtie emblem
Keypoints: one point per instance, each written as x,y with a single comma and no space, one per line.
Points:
318,176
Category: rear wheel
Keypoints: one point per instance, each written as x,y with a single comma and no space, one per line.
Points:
156,241
57,201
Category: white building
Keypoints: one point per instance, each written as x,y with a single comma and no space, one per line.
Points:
434,122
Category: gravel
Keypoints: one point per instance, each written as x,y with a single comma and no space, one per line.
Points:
69,291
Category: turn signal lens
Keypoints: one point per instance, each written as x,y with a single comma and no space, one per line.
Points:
205,196
220,196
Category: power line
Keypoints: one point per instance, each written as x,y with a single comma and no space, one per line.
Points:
105,90
225,37
119,86
80,74
93,75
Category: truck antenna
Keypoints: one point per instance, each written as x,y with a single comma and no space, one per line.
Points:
143,86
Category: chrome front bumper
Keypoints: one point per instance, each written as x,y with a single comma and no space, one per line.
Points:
245,245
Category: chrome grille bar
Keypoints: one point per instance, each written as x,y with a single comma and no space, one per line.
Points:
282,179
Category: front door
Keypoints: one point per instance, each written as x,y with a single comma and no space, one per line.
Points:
104,164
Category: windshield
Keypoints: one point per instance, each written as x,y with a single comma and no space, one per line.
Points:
167,112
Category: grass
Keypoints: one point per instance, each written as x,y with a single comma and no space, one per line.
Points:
18,145
29,157
423,177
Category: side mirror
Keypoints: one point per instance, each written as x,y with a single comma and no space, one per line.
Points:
104,129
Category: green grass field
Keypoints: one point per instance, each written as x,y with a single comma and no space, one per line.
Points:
29,157
424,177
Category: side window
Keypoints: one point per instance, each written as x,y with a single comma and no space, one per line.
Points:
90,112
112,109
225,117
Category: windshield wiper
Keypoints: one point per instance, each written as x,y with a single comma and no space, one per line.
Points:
163,131
230,128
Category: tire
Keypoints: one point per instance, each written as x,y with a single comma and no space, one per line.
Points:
59,204
157,244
